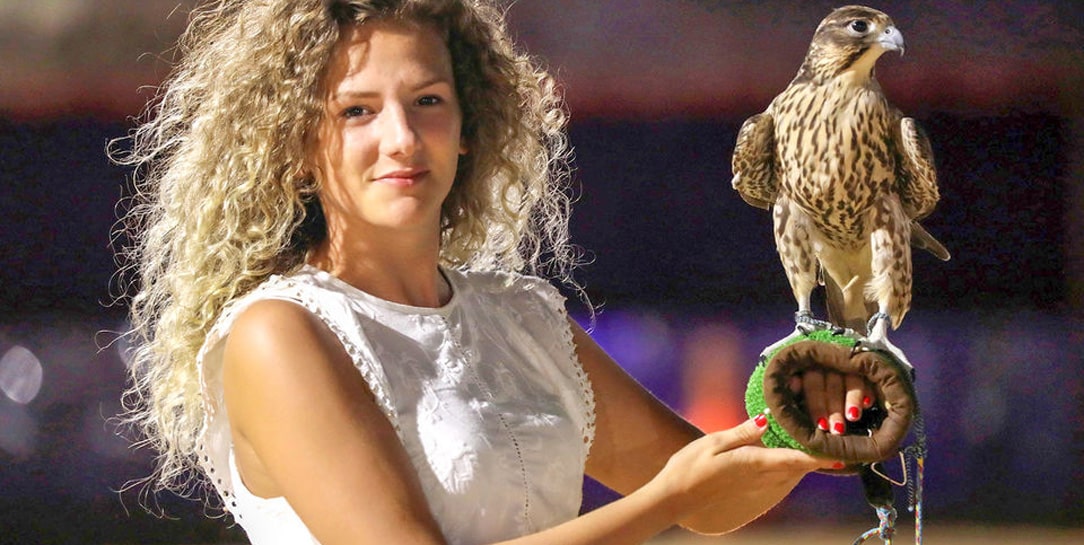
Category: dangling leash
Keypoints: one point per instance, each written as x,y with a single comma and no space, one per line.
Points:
877,486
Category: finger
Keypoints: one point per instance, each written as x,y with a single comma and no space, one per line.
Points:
796,460
834,400
856,392
813,388
746,433
794,384
806,462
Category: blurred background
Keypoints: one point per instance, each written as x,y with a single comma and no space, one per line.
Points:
689,283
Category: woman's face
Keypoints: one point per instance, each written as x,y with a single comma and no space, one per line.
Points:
390,141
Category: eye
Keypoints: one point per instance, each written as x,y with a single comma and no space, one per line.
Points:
356,112
859,26
430,100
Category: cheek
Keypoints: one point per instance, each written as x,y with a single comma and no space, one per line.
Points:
443,131
358,144
350,155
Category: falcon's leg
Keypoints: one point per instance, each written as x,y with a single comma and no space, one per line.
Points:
795,247
878,338
890,286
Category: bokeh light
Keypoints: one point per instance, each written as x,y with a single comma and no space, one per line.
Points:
20,375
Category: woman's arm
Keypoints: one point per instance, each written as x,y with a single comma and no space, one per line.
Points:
713,483
307,427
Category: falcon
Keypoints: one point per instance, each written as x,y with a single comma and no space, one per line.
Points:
846,175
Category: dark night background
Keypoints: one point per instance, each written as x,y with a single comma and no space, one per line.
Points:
686,273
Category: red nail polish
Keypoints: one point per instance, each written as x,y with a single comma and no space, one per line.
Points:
852,413
822,424
838,427
867,402
839,465
761,420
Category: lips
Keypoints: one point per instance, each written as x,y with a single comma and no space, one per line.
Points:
404,177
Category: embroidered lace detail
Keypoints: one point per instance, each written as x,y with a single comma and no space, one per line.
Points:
587,393
471,368
368,371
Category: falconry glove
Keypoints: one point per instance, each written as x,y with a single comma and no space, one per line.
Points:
875,437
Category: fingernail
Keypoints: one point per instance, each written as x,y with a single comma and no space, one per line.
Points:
838,428
867,402
760,420
852,413
839,465
822,424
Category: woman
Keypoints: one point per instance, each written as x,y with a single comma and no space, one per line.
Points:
338,201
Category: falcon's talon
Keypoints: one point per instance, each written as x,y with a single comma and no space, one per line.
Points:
877,316
782,342
804,320
882,345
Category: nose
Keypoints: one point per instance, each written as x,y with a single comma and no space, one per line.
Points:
398,137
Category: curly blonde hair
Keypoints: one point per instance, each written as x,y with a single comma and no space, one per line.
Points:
224,198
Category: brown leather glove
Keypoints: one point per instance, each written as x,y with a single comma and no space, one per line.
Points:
876,436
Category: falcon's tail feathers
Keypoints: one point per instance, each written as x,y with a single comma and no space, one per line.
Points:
921,238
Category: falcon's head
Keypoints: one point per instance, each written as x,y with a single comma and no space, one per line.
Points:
851,38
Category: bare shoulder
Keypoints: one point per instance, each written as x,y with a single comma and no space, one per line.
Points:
277,333
279,353
274,322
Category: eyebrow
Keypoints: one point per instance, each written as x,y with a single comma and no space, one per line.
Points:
353,93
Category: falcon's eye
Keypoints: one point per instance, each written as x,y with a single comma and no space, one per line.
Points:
859,26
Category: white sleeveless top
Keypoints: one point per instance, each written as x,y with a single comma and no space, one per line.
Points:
485,393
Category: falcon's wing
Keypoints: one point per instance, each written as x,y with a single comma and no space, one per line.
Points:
917,184
753,162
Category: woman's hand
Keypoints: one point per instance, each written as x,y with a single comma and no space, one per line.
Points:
722,480
832,398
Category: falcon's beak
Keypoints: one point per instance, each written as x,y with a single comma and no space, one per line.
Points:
892,40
